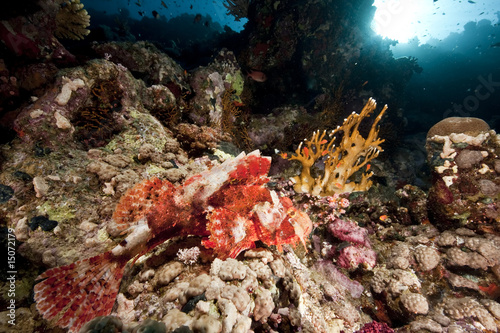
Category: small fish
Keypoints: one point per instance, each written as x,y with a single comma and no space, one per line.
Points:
364,83
495,45
284,155
257,76
228,206
383,217
470,1
207,24
197,18
155,14
191,7
138,3
306,152
368,166
164,4
141,13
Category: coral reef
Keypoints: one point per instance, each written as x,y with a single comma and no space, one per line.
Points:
463,154
105,153
27,36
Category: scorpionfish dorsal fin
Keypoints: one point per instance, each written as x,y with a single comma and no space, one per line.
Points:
244,169
252,169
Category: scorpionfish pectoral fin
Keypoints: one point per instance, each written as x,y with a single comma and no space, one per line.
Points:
278,222
230,233
299,221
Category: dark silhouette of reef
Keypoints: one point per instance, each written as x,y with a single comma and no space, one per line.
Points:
455,70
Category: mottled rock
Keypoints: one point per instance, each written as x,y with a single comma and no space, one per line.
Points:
41,186
103,170
167,273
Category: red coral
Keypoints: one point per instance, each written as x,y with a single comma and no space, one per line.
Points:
375,327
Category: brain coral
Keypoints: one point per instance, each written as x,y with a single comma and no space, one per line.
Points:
469,125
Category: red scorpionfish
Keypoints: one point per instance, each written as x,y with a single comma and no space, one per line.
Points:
228,206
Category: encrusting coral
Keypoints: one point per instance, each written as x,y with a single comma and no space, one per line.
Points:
342,161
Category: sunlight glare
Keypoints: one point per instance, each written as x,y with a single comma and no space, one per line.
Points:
396,19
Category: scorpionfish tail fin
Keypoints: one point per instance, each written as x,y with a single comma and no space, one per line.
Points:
71,295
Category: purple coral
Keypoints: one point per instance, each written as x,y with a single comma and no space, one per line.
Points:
359,251
337,278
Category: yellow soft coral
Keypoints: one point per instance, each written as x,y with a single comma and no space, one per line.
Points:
72,20
342,161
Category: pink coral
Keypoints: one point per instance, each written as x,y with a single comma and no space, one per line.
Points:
359,251
349,231
353,256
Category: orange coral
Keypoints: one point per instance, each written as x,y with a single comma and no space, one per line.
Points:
342,161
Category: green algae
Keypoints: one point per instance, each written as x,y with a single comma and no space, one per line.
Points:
59,213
